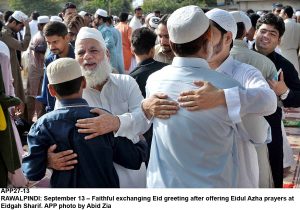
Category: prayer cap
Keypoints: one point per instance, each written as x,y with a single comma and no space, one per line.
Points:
55,18
63,70
187,24
101,12
90,33
43,19
223,19
19,16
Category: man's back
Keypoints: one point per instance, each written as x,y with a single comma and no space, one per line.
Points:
191,149
95,157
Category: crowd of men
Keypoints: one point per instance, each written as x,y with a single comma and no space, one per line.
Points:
189,99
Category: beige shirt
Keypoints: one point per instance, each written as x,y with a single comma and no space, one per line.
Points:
7,36
241,53
161,57
290,42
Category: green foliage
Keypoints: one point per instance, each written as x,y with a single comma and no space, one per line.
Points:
168,6
44,7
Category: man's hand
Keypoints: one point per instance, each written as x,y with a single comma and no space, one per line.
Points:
158,106
206,97
62,160
100,125
279,87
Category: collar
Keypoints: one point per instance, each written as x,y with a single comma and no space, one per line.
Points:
9,30
145,62
190,62
227,66
240,43
101,26
64,103
71,53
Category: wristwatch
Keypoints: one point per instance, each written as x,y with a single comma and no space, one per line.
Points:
285,95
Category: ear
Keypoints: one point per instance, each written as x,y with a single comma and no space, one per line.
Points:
279,40
83,83
131,49
108,55
228,38
52,90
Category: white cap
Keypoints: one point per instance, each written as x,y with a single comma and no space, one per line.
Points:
297,13
147,18
101,12
43,19
223,19
1,13
153,22
82,13
55,18
90,33
246,21
241,17
19,16
187,24
63,70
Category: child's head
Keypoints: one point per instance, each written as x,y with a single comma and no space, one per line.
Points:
65,78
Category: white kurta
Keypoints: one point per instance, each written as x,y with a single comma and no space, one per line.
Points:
290,42
122,97
257,92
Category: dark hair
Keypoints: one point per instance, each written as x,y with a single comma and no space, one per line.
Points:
273,20
123,16
250,11
138,9
74,21
288,10
110,19
254,17
69,87
143,40
240,30
190,48
35,15
277,5
164,19
222,30
69,5
7,14
55,28
1,25
103,18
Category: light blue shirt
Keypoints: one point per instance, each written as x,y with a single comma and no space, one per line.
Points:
119,49
192,149
110,43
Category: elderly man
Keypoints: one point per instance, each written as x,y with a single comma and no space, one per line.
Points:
118,94
163,52
192,149
290,41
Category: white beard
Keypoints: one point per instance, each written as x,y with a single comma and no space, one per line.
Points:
98,75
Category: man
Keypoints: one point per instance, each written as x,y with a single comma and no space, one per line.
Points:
126,32
250,34
290,41
66,83
56,36
163,52
69,9
241,53
270,29
190,148
100,19
33,24
87,18
37,50
252,129
142,45
15,23
118,94
277,7
118,44
135,22
10,140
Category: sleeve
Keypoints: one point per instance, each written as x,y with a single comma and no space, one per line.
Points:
133,123
15,44
35,163
256,98
293,99
128,154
